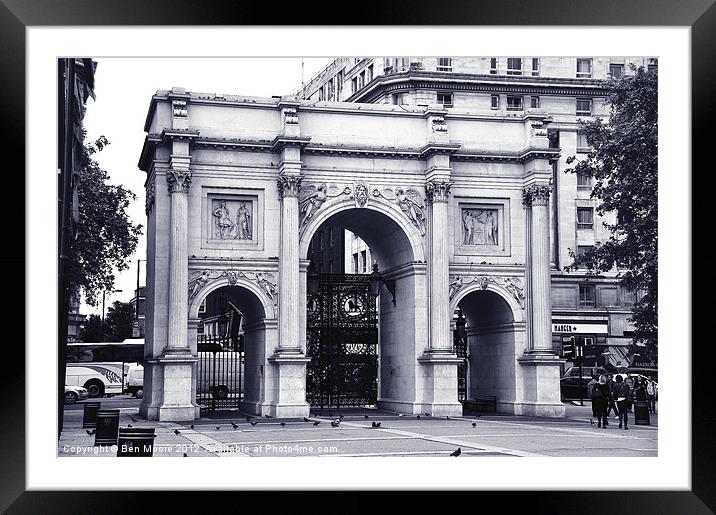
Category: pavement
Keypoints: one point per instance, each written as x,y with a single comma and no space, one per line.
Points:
494,435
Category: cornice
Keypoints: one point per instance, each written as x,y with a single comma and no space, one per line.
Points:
439,148
281,142
530,153
179,134
148,148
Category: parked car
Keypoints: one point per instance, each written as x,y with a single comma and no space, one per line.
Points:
135,380
75,393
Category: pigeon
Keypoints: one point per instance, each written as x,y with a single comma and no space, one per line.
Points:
90,432
375,424
591,421
474,424
218,427
316,422
418,416
185,455
427,414
192,426
283,424
129,425
334,424
267,416
456,452
176,431
253,423
365,417
234,425
447,417
306,419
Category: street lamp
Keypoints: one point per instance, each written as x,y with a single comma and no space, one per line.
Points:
376,279
103,295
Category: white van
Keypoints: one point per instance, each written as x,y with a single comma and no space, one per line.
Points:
135,380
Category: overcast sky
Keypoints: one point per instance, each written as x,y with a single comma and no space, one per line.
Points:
124,88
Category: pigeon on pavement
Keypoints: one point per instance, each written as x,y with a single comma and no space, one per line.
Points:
253,423
192,426
316,422
456,452
306,419
283,424
234,425
474,424
90,432
176,431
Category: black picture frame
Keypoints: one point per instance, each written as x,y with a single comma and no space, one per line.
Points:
699,15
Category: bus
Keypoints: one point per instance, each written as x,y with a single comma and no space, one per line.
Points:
103,368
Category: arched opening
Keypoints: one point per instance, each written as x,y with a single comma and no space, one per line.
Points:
342,339
492,347
230,327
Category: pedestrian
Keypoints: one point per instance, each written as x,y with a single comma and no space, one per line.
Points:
651,395
640,389
612,405
622,394
590,385
600,400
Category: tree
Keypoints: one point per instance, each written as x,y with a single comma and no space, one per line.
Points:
106,236
120,316
94,329
623,163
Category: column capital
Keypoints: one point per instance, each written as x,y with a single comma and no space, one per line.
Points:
536,195
438,190
288,185
178,180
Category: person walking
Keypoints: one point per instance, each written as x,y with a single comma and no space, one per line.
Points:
623,396
640,389
600,401
651,396
612,405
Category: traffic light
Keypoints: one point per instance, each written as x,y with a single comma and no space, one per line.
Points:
568,349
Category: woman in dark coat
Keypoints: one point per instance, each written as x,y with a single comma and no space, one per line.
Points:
601,395
622,394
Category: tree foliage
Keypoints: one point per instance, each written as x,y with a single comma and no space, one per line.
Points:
623,164
106,236
119,321
93,329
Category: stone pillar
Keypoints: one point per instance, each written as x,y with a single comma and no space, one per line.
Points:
288,289
440,380
541,367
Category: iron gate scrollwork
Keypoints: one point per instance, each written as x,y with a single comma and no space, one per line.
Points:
460,345
342,342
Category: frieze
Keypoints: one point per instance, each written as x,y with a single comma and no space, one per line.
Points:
178,180
264,280
312,197
536,195
288,185
511,284
410,203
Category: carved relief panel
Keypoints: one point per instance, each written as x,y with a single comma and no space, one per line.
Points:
482,227
232,219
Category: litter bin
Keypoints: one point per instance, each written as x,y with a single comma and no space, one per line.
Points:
89,418
107,427
135,441
641,413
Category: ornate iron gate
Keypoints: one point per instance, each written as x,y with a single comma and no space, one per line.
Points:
220,368
460,344
342,342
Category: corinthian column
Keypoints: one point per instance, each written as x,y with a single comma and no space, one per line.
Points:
288,186
440,338
537,197
178,181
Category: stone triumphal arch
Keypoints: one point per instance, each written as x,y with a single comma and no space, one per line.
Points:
455,210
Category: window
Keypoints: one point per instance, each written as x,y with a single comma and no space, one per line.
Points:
339,84
584,107
330,89
355,263
585,218
534,102
354,85
616,70
444,64
584,182
493,65
363,264
535,66
514,103
361,80
514,66
584,68
495,99
582,249
202,308
582,143
586,295
369,77
396,99
445,99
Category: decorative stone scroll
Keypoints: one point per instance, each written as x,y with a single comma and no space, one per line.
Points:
151,193
289,185
265,280
511,284
439,124
536,195
410,203
290,116
538,130
312,197
178,180
179,108
438,191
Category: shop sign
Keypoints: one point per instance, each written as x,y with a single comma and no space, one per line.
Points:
580,328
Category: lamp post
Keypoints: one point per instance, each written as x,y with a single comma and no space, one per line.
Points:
376,279
104,292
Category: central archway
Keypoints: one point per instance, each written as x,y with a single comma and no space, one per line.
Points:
397,247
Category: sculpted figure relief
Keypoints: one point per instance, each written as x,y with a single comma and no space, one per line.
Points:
410,203
224,226
223,223
479,227
243,223
314,197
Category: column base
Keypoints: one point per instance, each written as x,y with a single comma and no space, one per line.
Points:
170,394
440,384
289,399
541,387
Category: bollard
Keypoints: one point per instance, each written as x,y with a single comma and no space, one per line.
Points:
641,413
135,441
107,426
89,418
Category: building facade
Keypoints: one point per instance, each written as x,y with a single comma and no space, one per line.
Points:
454,206
591,312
